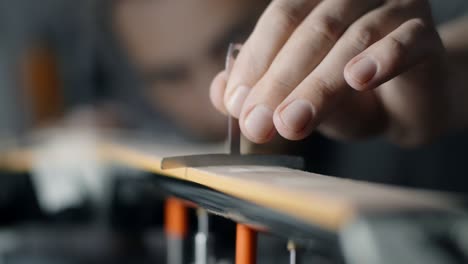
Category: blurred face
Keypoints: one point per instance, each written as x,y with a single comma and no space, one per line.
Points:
178,46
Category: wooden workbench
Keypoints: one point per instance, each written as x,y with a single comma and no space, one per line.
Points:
323,201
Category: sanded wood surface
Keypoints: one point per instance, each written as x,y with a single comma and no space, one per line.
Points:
328,202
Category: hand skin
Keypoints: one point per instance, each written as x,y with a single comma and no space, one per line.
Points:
348,70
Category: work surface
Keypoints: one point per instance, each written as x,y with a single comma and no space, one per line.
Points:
324,201
321,201
348,221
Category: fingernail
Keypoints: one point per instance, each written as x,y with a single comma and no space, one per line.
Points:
236,101
259,122
363,70
297,115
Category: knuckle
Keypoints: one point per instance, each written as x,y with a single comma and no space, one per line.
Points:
396,47
290,12
363,37
249,64
394,10
418,25
282,86
276,85
256,64
328,27
322,92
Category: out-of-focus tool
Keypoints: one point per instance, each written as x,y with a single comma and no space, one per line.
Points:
234,156
176,229
203,250
292,252
246,245
234,134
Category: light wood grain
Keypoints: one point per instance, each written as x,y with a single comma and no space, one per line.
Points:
325,201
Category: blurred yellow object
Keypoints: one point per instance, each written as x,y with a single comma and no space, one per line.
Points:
18,160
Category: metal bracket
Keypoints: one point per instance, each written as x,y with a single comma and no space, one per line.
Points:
234,138
293,162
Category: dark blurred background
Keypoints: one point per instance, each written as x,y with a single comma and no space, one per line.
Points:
146,65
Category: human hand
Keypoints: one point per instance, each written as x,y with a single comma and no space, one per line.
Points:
349,69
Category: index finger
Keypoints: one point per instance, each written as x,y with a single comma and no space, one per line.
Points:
272,31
